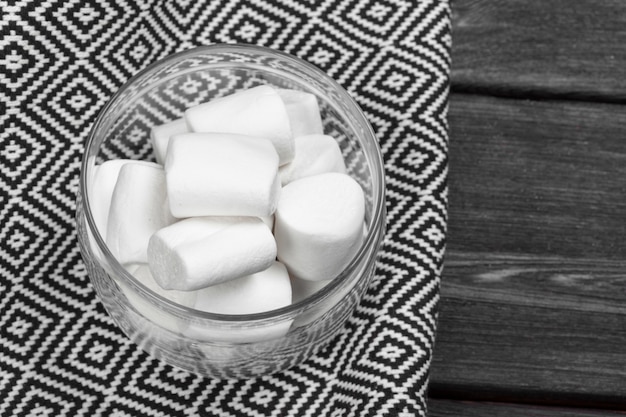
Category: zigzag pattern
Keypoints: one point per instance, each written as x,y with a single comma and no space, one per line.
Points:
60,61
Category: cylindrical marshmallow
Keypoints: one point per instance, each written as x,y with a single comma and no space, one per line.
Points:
101,190
150,310
143,274
266,290
315,154
263,291
217,174
197,252
269,221
139,207
303,111
160,136
257,111
318,225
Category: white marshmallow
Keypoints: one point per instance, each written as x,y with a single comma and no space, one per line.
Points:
269,221
234,334
263,291
139,208
266,290
150,310
201,251
143,274
303,111
160,136
101,189
257,111
318,225
217,174
315,154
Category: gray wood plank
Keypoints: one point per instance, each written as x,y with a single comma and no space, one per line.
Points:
540,47
537,177
533,291
446,408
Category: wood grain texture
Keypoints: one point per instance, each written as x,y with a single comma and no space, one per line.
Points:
533,291
537,177
540,48
443,408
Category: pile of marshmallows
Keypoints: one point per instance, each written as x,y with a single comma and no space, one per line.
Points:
247,209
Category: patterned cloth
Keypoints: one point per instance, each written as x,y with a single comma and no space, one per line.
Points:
60,61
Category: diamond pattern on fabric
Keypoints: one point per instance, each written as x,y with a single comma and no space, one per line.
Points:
59,63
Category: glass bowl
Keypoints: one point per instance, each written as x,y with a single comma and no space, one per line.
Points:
217,345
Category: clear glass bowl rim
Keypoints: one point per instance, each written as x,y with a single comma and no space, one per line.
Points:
375,232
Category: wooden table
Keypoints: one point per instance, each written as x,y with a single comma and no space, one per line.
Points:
532,318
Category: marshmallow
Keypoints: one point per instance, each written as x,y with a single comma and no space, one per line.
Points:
318,225
258,111
160,136
315,154
266,290
150,310
201,251
234,333
269,221
143,275
303,111
218,174
101,189
139,208
263,291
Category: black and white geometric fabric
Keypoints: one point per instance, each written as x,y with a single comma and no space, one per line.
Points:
60,60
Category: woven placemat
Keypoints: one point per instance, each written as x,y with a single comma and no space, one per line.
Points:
60,61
